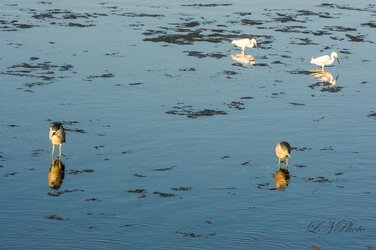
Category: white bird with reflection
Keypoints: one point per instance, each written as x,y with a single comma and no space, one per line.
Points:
325,60
245,43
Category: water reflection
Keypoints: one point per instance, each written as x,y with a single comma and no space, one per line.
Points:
244,58
281,178
326,81
56,173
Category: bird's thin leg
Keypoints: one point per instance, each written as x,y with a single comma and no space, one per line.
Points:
279,163
53,149
287,163
322,68
60,150
242,50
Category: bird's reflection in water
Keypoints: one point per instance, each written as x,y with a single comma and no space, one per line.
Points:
281,178
326,81
56,173
243,58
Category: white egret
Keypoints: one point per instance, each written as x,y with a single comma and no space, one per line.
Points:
245,43
325,60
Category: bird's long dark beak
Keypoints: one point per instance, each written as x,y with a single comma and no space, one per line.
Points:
337,77
338,60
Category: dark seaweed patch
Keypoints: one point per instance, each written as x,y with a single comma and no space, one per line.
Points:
137,191
54,217
188,69
92,199
45,71
164,195
199,54
189,234
319,179
329,148
236,105
356,38
369,8
265,186
207,5
372,114
296,104
187,110
301,149
181,188
182,35
106,75
134,14
164,169
63,16
80,25
77,130
58,193
303,41
141,192
251,22
135,83
76,172
13,25
10,174
246,98
369,24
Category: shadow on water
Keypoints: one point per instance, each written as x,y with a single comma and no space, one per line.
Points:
56,173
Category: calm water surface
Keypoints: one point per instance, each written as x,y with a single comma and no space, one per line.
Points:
144,169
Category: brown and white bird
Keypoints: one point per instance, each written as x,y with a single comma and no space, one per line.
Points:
57,136
283,151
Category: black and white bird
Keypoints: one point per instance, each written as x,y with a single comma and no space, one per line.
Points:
283,152
57,136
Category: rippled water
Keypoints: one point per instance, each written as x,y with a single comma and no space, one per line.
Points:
170,142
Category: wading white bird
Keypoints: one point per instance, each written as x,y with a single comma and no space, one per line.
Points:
57,136
325,60
245,43
283,151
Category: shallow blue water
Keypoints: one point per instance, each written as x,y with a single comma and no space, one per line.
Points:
122,136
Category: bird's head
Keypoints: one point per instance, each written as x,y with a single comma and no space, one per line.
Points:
56,126
335,55
254,42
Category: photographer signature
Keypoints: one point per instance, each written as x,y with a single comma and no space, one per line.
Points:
334,226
